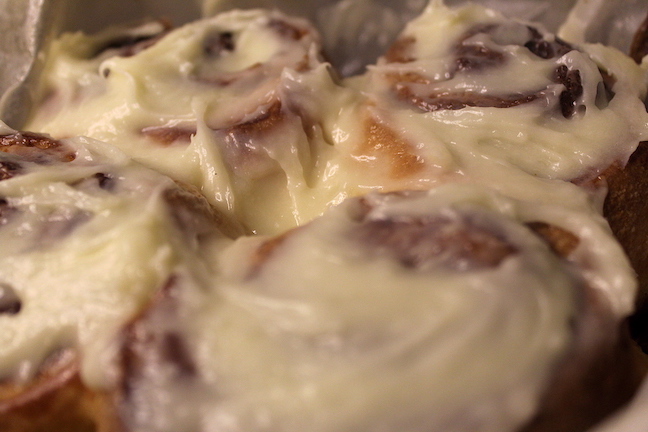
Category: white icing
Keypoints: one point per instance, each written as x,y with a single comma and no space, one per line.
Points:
316,154
532,136
177,84
326,337
82,259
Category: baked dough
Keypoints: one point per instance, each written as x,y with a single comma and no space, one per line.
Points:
454,309
419,247
89,237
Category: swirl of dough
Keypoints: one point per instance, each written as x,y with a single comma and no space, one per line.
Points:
441,310
477,84
89,235
221,103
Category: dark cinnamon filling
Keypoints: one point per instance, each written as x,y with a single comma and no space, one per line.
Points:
128,45
10,303
437,101
150,344
216,44
475,56
561,241
432,241
243,143
9,169
59,225
287,30
194,216
168,135
401,51
6,211
36,148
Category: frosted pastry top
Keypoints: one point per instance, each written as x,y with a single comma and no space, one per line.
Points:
429,310
88,236
215,103
466,94
243,107
491,132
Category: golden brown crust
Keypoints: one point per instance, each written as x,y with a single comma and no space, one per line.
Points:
626,207
599,373
598,376
386,145
56,400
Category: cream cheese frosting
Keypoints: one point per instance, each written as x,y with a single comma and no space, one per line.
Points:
322,317
86,244
424,311
469,95
233,104
214,103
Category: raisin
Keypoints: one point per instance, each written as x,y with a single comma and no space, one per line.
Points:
10,303
541,48
105,180
571,79
545,49
216,44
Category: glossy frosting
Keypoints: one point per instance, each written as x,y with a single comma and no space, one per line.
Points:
233,105
467,95
86,244
215,103
428,311
318,322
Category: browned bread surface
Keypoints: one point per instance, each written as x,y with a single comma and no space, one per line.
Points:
55,401
626,209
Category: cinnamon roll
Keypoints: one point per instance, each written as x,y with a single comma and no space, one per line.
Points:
454,309
466,94
88,238
225,104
